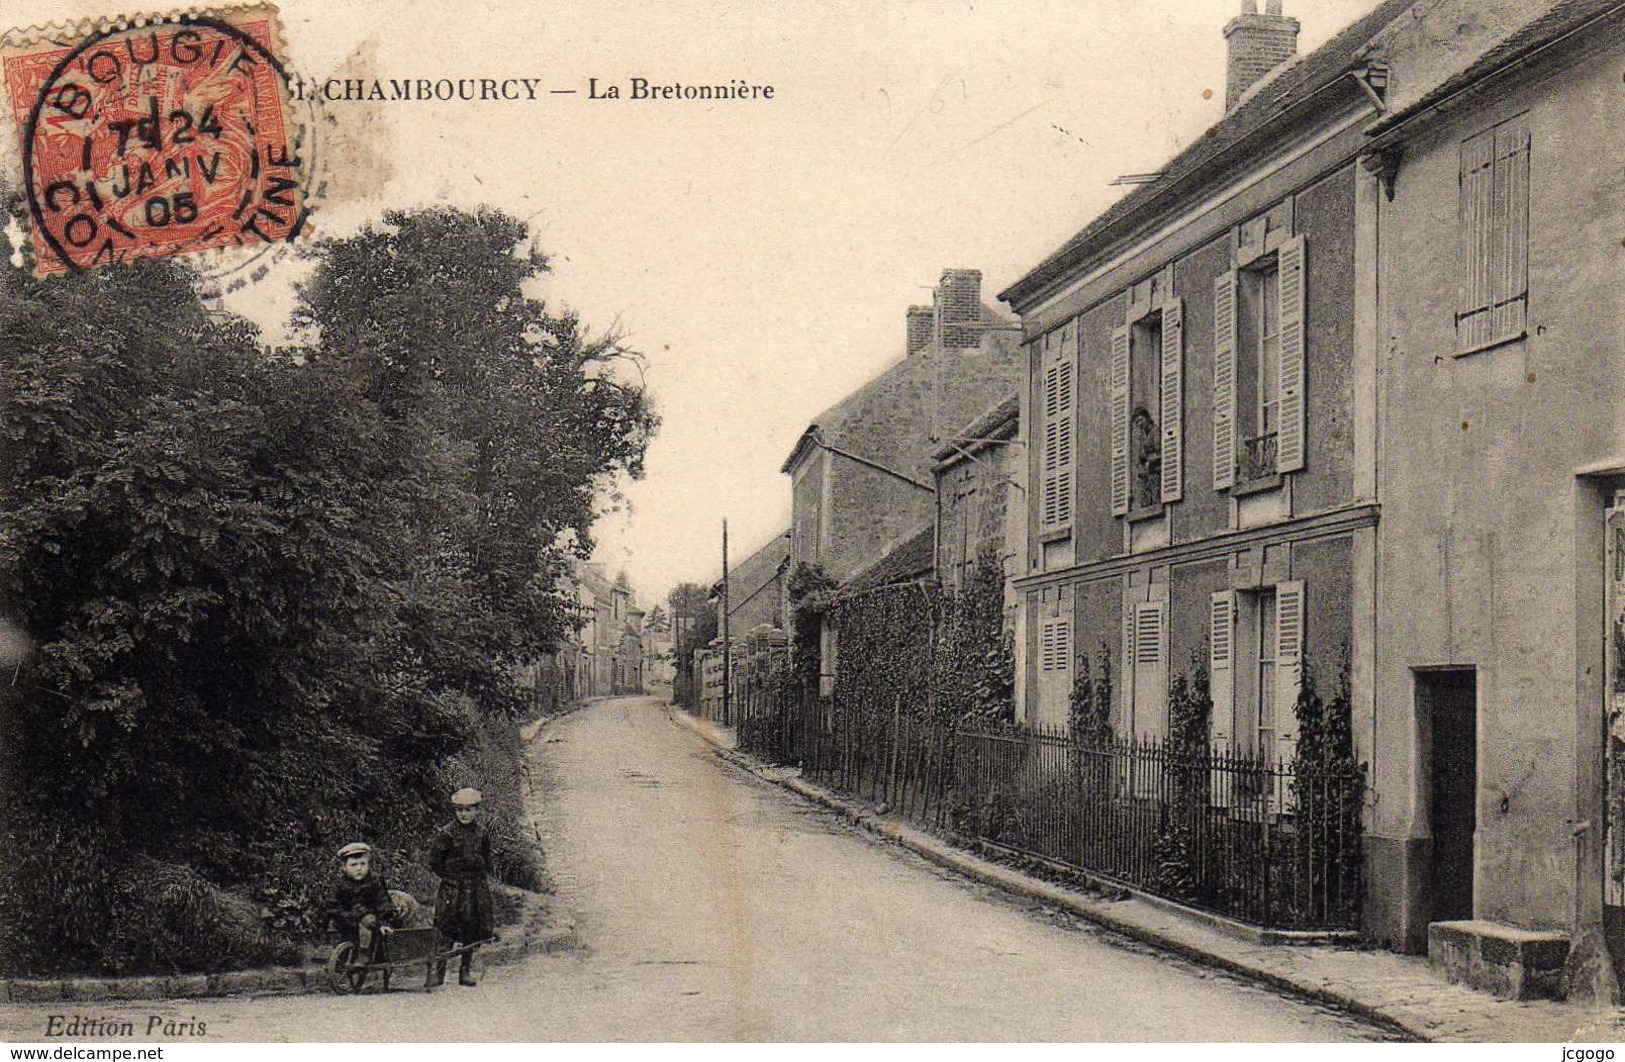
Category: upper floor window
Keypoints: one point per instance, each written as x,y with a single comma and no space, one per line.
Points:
1494,215
1145,409
1258,367
1147,413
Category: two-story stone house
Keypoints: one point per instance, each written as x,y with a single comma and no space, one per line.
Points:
1199,481
1389,274
862,472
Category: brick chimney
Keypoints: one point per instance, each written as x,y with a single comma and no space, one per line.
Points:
1255,45
959,303
922,325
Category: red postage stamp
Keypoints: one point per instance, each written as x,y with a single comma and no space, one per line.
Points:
152,138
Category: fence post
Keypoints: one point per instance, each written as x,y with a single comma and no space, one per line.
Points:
891,766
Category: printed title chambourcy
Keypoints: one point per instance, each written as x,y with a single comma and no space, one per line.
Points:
514,89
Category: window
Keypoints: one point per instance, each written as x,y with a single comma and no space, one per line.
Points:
1264,673
1255,644
1494,215
1145,408
1147,415
1258,367
1059,405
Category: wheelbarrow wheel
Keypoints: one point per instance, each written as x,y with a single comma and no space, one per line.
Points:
343,973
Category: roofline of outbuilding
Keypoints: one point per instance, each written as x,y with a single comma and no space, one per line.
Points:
1388,127
998,424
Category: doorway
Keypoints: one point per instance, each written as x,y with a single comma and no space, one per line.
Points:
1447,705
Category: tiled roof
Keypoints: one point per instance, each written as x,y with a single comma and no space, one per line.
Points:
851,424
913,559
1293,84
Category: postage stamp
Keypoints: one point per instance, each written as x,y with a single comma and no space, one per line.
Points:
155,136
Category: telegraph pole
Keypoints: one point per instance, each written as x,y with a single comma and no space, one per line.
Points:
727,644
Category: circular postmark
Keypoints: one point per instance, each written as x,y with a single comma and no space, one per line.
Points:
164,138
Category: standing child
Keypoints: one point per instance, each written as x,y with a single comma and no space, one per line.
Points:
461,856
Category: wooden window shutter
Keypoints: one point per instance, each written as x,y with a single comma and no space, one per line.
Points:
1059,419
1051,452
1477,172
1119,420
1222,667
1222,686
1509,283
1290,442
1288,665
1055,645
1173,400
1065,455
1149,636
1224,381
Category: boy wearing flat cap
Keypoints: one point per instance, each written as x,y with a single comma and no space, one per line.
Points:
461,856
361,902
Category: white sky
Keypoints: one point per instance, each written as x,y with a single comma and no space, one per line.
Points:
761,253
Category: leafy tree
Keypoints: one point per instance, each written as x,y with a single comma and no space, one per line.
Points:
523,414
268,598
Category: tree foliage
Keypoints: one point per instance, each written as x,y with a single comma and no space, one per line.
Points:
265,593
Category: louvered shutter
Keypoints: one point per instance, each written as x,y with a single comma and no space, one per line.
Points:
1288,665
1150,637
1055,645
1065,457
1224,381
1119,420
1222,686
1290,441
1173,400
1052,431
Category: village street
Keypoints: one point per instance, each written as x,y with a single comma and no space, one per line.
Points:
715,907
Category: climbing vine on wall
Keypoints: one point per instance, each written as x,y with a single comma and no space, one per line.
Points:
810,591
927,652
883,655
1089,710
974,669
1190,707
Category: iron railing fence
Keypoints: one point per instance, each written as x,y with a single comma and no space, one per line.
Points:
1275,844
1270,843
1258,456
894,759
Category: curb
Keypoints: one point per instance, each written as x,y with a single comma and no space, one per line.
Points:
1013,881
540,931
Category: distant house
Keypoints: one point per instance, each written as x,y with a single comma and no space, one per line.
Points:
758,587
862,472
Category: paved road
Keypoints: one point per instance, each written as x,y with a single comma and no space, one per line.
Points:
717,908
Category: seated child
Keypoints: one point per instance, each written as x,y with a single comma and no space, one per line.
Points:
361,903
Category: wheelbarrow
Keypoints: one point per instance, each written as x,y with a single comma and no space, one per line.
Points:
396,949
